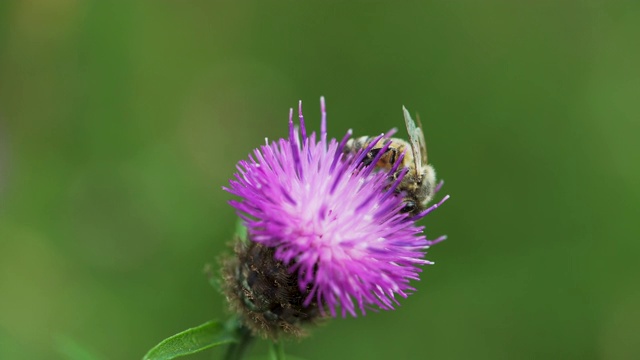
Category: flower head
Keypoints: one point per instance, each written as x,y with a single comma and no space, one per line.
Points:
331,220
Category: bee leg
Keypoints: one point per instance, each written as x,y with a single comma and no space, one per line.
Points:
394,155
370,156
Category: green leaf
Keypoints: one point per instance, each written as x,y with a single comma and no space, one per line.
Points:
190,341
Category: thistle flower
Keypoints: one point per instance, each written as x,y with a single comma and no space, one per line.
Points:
334,224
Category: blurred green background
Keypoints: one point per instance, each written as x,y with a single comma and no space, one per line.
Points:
121,121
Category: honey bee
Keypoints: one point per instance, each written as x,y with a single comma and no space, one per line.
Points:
419,182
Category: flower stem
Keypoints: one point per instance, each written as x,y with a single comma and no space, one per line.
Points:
276,351
236,350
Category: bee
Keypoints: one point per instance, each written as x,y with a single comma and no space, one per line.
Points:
419,182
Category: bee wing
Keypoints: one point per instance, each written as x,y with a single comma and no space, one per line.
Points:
416,137
423,144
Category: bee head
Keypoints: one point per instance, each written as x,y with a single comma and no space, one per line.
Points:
409,206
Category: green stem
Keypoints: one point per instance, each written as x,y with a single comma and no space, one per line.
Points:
236,350
276,351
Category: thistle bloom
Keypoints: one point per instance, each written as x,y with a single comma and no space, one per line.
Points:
331,220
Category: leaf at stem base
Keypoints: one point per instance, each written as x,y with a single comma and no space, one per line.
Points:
190,341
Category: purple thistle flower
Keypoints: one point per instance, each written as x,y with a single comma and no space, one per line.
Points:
331,220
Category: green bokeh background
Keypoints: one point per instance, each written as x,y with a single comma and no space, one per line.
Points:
120,121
